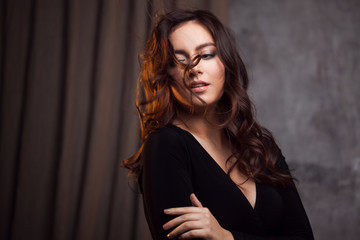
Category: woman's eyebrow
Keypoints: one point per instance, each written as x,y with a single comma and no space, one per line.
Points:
204,45
180,51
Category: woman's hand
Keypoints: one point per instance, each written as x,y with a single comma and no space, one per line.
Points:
195,222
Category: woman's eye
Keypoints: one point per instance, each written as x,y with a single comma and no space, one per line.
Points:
182,60
207,56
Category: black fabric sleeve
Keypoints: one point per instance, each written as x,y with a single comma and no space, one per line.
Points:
165,178
165,182
296,225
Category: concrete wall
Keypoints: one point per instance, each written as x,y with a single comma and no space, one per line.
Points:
303,59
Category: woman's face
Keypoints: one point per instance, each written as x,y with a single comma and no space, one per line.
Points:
207,78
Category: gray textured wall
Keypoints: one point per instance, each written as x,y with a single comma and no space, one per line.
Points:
304,62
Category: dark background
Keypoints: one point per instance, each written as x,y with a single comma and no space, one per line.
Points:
68,72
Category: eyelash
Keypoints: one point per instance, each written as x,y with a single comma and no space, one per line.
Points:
203,56
207,56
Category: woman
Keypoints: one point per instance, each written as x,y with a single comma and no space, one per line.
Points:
206,168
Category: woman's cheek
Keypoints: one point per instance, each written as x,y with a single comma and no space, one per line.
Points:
175,73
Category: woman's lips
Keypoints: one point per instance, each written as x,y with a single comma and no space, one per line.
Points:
198,86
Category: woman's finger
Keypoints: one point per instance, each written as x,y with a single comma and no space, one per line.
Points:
197,233
182,210
184,227
195,202
181,219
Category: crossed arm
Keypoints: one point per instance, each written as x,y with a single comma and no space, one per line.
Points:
173,211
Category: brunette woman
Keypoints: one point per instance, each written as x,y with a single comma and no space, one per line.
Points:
206,168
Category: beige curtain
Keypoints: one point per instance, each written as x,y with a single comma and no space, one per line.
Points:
67,86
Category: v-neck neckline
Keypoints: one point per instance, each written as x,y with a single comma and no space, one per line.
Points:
219,169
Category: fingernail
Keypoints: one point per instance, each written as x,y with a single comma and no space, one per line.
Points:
168,236
167,210
164,226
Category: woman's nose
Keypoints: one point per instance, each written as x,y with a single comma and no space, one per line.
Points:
196,68
195,71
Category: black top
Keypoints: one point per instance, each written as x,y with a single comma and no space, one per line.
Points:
176,165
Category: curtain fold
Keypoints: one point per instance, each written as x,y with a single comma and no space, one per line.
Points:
67,88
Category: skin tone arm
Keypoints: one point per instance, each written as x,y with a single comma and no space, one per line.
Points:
195,222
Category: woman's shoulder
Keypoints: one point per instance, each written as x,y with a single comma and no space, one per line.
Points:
280,161
166,147
167,132
166,137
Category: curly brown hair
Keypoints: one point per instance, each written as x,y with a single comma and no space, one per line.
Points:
253,146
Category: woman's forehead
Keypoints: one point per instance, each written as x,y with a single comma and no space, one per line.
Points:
190,35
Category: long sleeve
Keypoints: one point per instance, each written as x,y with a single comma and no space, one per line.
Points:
295,224
165,179
174,165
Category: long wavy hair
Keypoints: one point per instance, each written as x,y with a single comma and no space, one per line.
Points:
253,146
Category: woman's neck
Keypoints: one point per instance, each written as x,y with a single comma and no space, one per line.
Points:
201,126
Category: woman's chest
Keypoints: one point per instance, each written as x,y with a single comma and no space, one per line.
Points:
217,191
